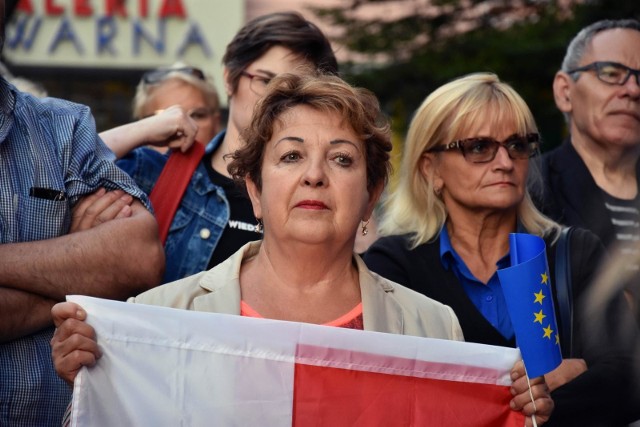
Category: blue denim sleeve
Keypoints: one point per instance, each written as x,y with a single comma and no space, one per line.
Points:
144,165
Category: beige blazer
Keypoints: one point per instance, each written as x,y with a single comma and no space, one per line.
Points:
386,306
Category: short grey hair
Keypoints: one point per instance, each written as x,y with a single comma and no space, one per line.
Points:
205,86
582,41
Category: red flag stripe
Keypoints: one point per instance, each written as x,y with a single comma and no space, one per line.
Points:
335,397
350,359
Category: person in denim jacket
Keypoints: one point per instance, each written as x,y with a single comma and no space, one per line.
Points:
215,218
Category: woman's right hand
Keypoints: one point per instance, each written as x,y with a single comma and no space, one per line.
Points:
171,128
74,342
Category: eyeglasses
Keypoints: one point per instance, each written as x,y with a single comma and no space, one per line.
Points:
611,73
258,84
484,149
156,76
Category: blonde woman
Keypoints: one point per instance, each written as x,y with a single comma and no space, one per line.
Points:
173,106
462,190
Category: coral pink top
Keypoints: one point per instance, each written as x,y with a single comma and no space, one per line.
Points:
351,320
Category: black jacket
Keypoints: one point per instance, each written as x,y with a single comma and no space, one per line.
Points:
569,195
600,396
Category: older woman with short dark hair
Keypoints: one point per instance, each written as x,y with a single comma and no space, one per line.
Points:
315,161
358,107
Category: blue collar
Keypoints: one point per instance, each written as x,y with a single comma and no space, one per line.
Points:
448,255
215,142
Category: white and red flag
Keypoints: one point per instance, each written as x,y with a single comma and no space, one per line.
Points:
168,367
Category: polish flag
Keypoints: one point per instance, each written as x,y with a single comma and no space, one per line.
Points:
168,367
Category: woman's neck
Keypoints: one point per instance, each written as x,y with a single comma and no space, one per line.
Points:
300,282
230,143
613,168
481,240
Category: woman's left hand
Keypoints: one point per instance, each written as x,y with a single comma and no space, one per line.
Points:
542,404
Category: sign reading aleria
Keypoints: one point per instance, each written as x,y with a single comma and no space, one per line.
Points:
121,33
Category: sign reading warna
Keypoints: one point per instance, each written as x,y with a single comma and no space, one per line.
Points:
121,33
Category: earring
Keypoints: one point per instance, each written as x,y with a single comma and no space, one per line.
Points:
364,225
259,226
437,190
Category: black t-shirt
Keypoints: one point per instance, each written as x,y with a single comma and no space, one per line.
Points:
241,227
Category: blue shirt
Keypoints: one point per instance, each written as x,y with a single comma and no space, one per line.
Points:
50,156
488,298
200,219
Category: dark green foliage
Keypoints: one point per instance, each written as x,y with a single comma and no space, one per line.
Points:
524,49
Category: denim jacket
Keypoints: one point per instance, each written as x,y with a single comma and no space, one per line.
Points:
201,217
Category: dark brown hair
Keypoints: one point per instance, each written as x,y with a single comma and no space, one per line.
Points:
358,107
287,29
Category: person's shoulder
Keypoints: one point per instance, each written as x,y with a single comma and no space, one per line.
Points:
401,246
579,238
410,297
144,165
396,242
177,294
423,313
549,160
410,300
222,282
50,106
147,154
561,158
585,239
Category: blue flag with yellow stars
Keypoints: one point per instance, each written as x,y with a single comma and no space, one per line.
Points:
527,292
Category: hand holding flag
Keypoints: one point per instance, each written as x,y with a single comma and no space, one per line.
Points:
528,294
167,367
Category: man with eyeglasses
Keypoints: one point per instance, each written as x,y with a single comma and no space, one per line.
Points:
591,181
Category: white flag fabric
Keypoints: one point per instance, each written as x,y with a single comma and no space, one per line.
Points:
170,367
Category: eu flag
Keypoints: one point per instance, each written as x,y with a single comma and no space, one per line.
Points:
527,292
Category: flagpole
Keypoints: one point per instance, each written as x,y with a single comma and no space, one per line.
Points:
533,417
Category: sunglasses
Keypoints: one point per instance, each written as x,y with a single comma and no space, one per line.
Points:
484,149
156,76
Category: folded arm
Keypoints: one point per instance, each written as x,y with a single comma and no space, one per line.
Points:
15,321
115,259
